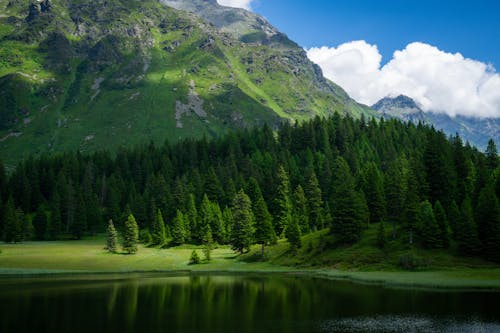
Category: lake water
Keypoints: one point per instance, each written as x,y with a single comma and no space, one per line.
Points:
245,303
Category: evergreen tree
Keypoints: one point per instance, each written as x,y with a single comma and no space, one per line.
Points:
428,227
177,230
300,212
381,237
293,235
79,224
191,218
467,237
411,207
158,236
395,196
442,222
373,187
241,233
195,258
208,242
40,223
488,223
55,225
130,235
347,218
314,204
112,238
264,232
454,217
283,202
13,227
492,155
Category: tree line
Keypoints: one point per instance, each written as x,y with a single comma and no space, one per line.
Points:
338,173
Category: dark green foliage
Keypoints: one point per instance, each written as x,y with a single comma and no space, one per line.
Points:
467,237
348,212
178,229
130,235
195,258
348,171
372,185
264,231
242,230
112,238
428,228
488,223
492,155
381,236
283,202
442,222
40,223
158,235
13,225
293,234
145,237
208,242
300,212
314,204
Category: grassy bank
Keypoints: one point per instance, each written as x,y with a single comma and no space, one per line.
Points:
88,256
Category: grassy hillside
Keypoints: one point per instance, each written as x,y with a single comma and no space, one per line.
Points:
75,74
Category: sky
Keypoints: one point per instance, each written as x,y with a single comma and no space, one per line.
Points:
444,54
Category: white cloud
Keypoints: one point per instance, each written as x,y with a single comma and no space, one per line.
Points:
439,81
236,3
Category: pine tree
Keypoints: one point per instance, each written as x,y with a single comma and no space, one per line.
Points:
158,236
40,223
300,212
208,242
112,238
442,222
130,235
428,228
293,235
467,237
79,224
395,196
488,223
241,235
191,218
454,217
195,258
177,230
347,217
314,204
381,237
283,202
492,155
13,227
373,187
264,231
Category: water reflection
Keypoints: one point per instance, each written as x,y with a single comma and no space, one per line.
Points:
152,303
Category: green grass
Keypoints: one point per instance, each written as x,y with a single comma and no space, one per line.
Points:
89,256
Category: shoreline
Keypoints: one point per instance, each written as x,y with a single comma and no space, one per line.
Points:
422,280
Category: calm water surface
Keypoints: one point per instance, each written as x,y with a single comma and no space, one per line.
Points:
209,304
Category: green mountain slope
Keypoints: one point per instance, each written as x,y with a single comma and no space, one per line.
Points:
102,74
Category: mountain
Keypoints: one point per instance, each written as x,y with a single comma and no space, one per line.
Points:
108,73
476,131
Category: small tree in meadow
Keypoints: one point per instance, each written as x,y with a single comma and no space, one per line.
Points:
112,239
131,235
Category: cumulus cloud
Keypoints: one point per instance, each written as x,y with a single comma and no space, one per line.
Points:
236,3
439,81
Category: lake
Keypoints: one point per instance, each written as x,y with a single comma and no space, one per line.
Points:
241,303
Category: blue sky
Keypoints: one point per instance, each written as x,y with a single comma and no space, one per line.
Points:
469,27
444,54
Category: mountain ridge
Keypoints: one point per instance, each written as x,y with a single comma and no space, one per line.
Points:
86,75
476,131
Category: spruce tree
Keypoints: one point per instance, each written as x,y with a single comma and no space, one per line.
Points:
314,204
264,231
208,242
293,235
177,231
381,237
373,187
79,224
191,218
347,218
112,238
492,155
241,233
454,217
283,202
442,222
488,223
13,228
428,228
467,237
130,235
158,236
300,212
40,223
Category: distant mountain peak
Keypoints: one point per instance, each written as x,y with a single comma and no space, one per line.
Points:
401,101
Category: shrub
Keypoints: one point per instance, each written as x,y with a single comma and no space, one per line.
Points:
195,258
